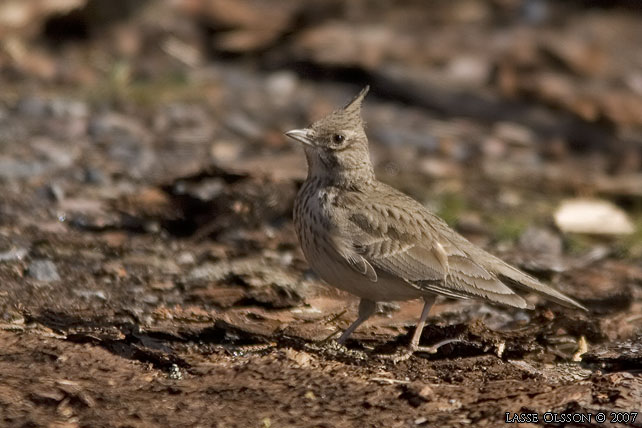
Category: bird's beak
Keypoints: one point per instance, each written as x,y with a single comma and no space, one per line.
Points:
301,135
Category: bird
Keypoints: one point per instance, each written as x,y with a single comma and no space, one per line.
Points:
363,236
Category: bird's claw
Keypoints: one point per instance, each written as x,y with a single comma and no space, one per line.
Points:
405,353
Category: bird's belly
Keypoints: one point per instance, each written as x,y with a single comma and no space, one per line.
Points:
338,274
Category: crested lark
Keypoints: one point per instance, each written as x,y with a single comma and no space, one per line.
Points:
361,235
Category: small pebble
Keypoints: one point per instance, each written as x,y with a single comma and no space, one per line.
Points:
43,270
175,372
185,258
13,254
88,294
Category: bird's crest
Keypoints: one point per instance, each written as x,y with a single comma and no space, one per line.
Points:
355,103
348,117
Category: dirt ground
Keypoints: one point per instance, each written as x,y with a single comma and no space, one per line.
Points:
149,271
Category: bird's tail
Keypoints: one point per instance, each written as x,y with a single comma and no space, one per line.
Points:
526,282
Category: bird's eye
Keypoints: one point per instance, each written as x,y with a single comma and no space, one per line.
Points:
338,138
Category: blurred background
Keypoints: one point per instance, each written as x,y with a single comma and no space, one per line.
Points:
146,185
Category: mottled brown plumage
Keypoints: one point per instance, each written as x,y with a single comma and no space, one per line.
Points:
365,237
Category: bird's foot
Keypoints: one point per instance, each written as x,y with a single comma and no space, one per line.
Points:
400,355
404,354
434,348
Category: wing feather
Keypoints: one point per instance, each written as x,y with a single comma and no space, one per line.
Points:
397,235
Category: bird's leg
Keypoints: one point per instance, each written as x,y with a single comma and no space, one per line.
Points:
414,343
366,309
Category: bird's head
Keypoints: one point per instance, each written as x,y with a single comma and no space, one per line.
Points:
336,145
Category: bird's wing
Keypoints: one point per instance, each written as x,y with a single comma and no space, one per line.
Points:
499,268
397,238
396,234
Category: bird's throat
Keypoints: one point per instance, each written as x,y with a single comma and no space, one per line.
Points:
339,171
